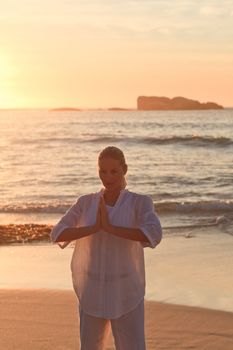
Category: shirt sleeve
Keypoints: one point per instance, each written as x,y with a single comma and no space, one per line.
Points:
149,222
70,219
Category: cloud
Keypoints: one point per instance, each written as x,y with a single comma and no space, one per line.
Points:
125,20
213,11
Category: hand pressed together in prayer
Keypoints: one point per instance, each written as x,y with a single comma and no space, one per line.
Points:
103,223
102,220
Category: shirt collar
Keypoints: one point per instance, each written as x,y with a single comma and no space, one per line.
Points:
119,199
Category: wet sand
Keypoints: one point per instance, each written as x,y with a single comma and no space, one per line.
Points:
48,319
38,309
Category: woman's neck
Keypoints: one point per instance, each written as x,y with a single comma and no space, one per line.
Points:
111,197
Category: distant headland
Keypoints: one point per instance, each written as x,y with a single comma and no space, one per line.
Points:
152,103
147,103
119,109
64,109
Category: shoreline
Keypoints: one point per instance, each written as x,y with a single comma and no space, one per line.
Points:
42,319
39,231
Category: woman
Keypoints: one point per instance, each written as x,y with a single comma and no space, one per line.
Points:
111,228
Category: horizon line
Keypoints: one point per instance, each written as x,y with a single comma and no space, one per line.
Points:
85,108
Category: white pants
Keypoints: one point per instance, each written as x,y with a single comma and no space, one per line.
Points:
127,330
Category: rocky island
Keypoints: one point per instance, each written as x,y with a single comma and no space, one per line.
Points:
117,109
64,109
146,103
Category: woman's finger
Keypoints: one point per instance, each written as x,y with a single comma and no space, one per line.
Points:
103,212
102,204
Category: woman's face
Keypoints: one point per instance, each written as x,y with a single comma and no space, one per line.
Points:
111,173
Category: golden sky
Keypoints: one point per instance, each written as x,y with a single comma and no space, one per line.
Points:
92,54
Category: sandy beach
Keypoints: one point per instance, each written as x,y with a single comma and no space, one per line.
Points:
185,271
188,297
47,319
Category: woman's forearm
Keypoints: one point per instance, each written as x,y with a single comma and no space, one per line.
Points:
134,234
73,233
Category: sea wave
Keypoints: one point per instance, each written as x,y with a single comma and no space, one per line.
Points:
29,208
192,140
164,207
205,207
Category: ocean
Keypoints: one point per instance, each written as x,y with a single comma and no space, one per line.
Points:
182,159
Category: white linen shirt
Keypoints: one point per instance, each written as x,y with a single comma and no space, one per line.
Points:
108,271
